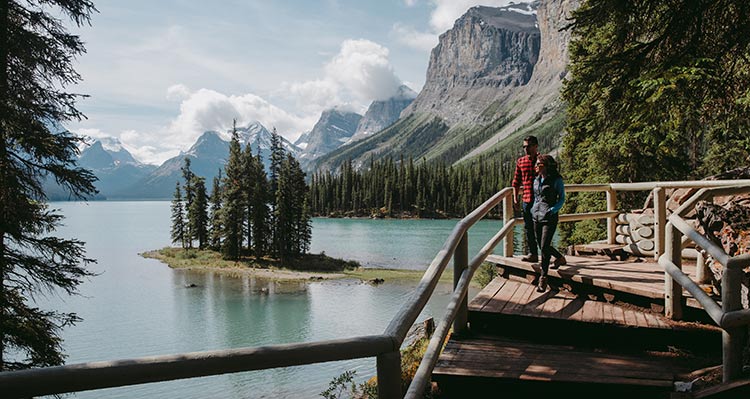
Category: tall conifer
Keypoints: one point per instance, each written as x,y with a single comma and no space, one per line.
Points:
179,228
233,204
36,64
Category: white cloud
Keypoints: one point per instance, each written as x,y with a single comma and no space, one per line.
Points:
358,74
413,38
177,92
207,109
362,67
410,3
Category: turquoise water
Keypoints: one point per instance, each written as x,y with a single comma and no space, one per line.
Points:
139,307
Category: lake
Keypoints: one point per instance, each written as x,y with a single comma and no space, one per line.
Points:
139,307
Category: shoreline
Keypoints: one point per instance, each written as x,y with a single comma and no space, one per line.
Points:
266,269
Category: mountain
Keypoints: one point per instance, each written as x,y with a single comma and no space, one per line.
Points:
111,163
334,128
302,140
382,113
207,156
493,78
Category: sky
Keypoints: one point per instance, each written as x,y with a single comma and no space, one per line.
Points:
160,73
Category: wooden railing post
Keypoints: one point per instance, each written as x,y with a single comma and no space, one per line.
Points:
460,263
389,375
733,338
660,221
701,269
672,290
507,217
611,224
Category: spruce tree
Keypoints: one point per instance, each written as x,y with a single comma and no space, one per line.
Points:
179,229
198,213
187,176
259,215
215,230
36,63
233,205
277,158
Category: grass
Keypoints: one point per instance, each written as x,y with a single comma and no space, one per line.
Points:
309,266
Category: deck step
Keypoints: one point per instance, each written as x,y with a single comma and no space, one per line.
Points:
635,281
482,365
515,309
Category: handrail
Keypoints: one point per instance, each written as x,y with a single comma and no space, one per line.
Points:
86,376
430,358
409,312
97,375
729,316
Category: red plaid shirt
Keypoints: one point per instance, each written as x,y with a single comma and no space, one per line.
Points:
524,176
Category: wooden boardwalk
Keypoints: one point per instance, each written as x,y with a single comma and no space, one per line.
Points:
634,276
522,342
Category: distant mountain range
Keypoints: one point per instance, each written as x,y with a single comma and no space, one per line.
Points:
122,177
494,78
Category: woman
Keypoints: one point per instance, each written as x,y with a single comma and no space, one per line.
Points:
549,196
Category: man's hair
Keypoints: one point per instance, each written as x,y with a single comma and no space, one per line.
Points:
531,140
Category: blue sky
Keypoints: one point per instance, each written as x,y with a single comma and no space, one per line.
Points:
159,73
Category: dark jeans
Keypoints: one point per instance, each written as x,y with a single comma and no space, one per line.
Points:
529,228
544,232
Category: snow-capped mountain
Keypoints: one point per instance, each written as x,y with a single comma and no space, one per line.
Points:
334,128
207,157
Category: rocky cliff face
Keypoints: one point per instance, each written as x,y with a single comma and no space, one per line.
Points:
493,79
333,129
382,113
486,55
538,102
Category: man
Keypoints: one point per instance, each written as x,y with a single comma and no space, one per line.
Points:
524,177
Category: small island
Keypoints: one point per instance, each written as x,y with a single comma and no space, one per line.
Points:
307,267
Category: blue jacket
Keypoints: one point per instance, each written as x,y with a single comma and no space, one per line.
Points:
549,196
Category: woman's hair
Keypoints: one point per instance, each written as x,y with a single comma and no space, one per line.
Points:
550,165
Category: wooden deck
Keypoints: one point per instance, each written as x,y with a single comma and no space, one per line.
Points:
489,364
523,343
633,276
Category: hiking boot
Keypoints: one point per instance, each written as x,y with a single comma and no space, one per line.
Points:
530,258
561,261
542,285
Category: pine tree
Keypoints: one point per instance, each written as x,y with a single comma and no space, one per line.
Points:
179,229
187,176
259,215
198,213
36,63
277,158
215,231
233,204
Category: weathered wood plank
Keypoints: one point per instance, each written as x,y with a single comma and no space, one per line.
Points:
503,296
487,293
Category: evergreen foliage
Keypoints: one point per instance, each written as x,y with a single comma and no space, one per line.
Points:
403,189
245,218
214,216
179,228
259,213
187,176
658,90
198,213
36,64
233,204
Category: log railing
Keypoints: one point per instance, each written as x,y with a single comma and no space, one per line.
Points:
385,347
730,316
